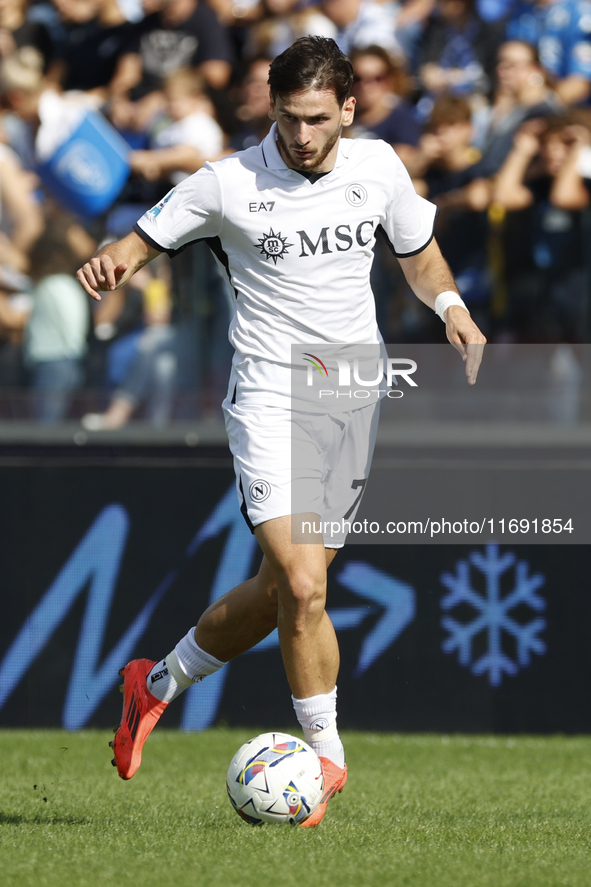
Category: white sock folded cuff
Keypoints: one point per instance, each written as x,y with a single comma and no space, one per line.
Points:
316,712
176,672
194,662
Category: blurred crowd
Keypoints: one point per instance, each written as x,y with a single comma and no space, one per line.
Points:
487,103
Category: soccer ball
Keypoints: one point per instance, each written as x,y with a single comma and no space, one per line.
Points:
275,778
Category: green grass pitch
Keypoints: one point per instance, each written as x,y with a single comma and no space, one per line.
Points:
432,810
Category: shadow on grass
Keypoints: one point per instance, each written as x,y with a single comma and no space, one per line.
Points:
41,819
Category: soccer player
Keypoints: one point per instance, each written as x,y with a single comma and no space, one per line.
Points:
294,221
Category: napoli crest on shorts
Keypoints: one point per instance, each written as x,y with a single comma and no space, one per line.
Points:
356,195
259,490
273,246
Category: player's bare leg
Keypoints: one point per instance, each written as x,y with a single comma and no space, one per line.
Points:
241,618
289,591
148,687
308,642
244,616
308,645
230,626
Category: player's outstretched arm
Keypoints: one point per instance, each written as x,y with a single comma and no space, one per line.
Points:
429,276
114,264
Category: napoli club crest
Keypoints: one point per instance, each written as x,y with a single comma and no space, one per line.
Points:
356,195
259,490
273,246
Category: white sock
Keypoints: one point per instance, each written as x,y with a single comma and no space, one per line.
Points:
185,665
318,719
167,680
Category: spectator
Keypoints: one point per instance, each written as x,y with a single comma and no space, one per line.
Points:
549,299
25,93
458,50
174,34
178,34
252,113
48,122
523,92
22,82
282,22
151,375
381,111
76,11
55,339
189,135
451,178
361,23
90,58
58,17
411,19
21,223
560,29
16,30
571,186
21,220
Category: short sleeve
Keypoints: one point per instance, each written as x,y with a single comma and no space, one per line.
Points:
410,219
191,211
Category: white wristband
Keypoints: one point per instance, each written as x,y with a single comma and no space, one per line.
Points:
443,302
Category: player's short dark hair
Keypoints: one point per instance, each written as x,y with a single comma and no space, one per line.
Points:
312,63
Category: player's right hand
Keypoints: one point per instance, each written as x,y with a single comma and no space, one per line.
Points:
100,273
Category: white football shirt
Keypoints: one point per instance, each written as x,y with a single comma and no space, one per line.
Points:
298,254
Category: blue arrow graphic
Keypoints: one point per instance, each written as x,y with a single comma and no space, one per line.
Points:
397,598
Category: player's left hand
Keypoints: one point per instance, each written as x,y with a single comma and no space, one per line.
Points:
465,336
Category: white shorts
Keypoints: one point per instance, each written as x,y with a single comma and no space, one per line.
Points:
291,462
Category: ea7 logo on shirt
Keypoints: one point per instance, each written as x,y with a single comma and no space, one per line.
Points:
273,246
259,490
261,207
356,195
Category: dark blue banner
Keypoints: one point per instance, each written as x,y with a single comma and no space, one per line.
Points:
104,563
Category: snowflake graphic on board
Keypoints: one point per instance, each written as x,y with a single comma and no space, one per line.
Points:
506,586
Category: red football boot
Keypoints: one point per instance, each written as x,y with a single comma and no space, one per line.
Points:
334,781
141,713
